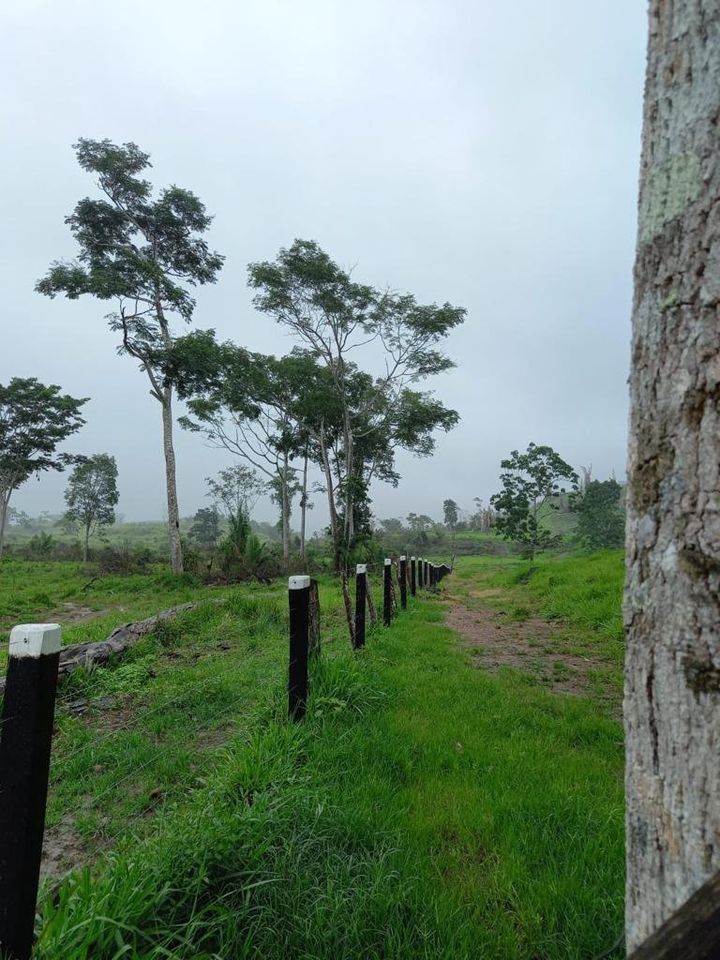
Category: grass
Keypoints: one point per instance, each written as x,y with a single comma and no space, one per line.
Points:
582,590
423,809
88,608
151,534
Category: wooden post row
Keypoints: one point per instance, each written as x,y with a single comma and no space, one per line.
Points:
360,601
413,587
403,582
387,592
27,723
299,601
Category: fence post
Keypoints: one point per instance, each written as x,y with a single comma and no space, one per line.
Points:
420,573
360,601
299,600
387,592
403,582
413,587
426,574
27,723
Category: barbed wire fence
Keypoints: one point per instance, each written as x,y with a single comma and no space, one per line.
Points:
28,720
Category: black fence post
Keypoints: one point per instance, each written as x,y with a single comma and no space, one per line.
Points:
403,582
426,574
27,724
433,577
413,587
420,573
299,600
360,601
387,592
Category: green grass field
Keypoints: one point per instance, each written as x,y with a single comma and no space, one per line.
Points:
423,809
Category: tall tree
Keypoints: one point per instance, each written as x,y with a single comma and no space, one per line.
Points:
92,495
235,492
145,254
450,514
601,517
251,405
530,482
364,417
672,673
34,421
205,529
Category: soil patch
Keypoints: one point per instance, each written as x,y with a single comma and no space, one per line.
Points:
531,645
76,613
63,849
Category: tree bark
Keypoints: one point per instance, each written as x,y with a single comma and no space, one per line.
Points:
85,545
334,532
176,557
4,504
285,508
672,673
303,507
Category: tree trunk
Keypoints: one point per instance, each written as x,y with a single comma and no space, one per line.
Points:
176,558
303,507
672,672
4,504
349,488
85,545
285,509
334,532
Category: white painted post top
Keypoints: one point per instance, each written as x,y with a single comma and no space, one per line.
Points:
388,561
361,568
413,558
34,639
298,583
403,557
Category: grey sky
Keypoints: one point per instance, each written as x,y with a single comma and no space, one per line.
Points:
480,152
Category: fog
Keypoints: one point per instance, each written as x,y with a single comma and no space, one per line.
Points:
475,152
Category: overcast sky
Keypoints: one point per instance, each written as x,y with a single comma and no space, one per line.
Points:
475,151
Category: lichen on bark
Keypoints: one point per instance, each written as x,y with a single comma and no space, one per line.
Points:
672,600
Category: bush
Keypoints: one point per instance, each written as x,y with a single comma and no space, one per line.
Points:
41,546
123,560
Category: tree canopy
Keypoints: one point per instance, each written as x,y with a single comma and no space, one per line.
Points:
365,415
145,253
34,420
92,495
529,482
601,517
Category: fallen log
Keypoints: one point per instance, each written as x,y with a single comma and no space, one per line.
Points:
86,655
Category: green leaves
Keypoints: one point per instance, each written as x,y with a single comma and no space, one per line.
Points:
34,420
92,493
601,517
529,480
147,254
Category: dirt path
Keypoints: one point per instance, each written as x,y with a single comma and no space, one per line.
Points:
531,645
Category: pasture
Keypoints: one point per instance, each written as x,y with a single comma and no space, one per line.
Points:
436,802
